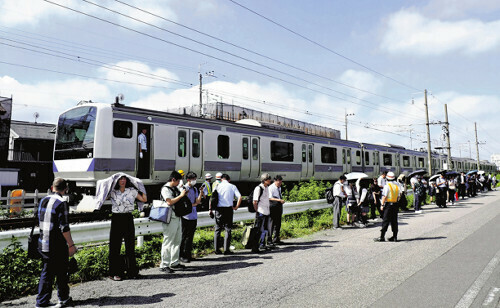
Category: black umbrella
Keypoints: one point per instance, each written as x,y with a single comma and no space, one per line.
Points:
417,172
472,172
452,173
443,172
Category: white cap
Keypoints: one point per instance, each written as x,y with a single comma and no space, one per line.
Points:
208,176
391,176
218,175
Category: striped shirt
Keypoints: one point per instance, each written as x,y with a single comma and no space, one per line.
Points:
53,221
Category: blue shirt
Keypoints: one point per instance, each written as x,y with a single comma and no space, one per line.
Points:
53,221
192,194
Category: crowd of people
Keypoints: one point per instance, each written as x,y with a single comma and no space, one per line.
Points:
361,199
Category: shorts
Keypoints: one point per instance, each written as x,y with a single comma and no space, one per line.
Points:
351,208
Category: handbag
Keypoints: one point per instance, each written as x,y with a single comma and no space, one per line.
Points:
214,199
33,252
160,212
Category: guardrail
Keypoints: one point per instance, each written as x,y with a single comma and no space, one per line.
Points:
21,200
99,231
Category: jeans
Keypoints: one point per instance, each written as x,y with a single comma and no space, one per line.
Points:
54,265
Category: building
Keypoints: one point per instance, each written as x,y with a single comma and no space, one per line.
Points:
495,158
222,111
30,148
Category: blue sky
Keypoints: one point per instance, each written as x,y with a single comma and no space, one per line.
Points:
370,58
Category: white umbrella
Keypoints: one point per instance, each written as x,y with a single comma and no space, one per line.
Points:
480,172
434,177
356,175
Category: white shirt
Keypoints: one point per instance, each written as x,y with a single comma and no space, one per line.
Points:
274,191
441,182
142,139
364,193
451,184
413,180
263,205
227,192
337,191
381,182
123,202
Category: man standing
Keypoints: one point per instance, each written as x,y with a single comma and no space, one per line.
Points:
206,187
461,185
143,167
418,193
224,212
218,179
340,196
189,222
381,181
276,206
55,245
389,204
261,206
442,187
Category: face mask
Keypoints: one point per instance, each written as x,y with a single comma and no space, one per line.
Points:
193,182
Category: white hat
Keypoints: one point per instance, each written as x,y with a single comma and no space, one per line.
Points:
218,175
391,176
208,176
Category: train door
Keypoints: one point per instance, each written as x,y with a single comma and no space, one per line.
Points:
144,156
189,150
376,163
346,160
255,161
307,160
397,164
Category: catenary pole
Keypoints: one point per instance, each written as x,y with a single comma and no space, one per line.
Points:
429,159
448,146
477,146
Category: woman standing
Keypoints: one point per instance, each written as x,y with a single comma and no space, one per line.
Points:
123,198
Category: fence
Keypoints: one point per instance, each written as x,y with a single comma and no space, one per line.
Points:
20,201
99,231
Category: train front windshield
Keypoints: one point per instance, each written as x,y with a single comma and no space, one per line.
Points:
75,134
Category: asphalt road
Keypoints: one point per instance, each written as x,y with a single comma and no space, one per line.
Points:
445,258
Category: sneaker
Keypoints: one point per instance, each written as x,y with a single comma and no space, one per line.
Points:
185,260
418,212
166,270
178,267
218,252
379,239
66,303
392,239
115,278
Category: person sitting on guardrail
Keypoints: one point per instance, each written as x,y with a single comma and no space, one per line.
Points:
123,198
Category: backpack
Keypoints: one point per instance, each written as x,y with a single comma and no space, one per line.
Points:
329,195
182,207
251,209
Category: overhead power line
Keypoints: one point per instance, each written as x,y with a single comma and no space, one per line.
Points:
323,46
223,60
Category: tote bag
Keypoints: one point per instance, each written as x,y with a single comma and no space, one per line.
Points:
160,212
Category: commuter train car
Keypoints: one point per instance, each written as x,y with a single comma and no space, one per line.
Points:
96,140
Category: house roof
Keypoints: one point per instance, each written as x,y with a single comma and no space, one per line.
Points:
30,130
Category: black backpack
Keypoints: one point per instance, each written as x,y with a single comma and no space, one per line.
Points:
182,207
251,209
329,195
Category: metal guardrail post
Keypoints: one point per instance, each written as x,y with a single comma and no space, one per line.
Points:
140,241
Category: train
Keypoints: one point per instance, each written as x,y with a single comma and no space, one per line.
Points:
96,140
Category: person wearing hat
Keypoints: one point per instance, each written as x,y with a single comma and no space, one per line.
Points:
218,179
181,182
206,187
389,204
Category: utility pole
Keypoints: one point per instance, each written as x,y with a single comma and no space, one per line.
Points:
346,115
477,146
447,132
429,158
201,92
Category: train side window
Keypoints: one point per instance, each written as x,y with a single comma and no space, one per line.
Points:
348,157
223,146
328,155
387,159
420,162
195,147
367,158
281,151
304,153
255,149
245,148
358,158
310,153
122,129
406,161
181,141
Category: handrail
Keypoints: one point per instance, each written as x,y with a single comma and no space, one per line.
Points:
83,233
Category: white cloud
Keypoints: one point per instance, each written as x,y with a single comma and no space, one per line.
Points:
18,12
409,32
138,74
460,9
49,98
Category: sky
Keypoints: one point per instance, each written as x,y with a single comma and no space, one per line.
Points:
314,61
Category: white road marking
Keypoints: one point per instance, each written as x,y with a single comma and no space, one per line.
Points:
469,296
491,296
